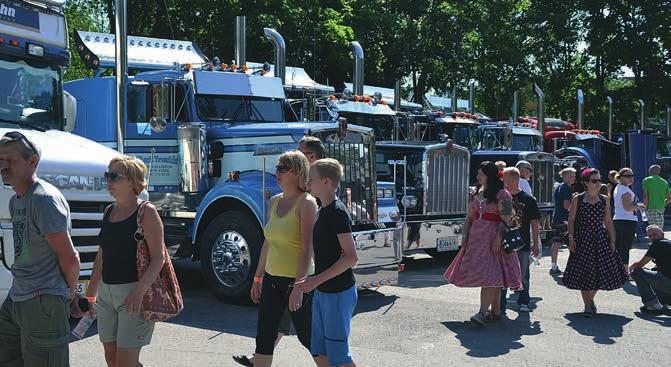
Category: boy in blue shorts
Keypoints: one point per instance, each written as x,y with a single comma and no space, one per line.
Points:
335,296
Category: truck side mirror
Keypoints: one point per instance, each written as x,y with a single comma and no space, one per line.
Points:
69,111
162,106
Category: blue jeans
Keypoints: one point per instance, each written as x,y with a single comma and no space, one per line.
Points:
522,295
652,286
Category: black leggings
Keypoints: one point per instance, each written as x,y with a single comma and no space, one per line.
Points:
275,293
625,230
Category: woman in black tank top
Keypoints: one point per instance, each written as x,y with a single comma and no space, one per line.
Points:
114,279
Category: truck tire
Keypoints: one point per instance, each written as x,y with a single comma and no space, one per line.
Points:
229,251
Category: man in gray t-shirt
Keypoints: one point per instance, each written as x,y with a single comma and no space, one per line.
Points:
34,323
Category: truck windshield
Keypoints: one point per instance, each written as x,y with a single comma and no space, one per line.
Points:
492,138
530,143
239,109
29,94
383,126
464,135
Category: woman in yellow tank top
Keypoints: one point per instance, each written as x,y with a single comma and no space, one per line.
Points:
286,257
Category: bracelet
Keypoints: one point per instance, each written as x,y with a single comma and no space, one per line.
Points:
258,279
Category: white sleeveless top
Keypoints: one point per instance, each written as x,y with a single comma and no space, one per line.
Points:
620,212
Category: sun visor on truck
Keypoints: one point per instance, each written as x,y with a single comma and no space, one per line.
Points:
297,79
237,84
387,95
97,50
42,27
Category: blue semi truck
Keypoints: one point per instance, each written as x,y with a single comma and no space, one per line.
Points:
211,134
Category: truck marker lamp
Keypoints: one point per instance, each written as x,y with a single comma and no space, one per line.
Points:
356,98
234,175
187,67
14,43
245,68
234,67
224,67
401,267
2,39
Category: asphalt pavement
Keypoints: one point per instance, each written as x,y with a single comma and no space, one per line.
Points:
423,322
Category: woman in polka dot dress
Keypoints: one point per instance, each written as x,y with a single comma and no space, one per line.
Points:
593,264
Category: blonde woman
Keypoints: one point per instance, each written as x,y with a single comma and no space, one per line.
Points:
286,258
122,329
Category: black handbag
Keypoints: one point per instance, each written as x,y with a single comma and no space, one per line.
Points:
512,239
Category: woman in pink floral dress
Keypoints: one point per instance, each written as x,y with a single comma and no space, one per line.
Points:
481,262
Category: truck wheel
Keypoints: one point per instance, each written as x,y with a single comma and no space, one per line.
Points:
445,257
229,252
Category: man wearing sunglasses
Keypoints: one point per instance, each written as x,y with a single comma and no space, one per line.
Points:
34,324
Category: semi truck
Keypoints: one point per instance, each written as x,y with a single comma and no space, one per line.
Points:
34,55
211,134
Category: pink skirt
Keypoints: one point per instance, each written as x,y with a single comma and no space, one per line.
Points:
476,265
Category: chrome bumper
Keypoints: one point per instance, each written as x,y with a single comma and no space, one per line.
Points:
432,232
379,253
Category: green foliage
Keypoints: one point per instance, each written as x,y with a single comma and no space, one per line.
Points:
502,45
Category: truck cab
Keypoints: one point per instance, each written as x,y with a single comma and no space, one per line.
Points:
33,58
211,134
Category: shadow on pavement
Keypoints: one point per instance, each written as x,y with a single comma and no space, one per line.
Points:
423,272
663,320
204,311
604,328
493,340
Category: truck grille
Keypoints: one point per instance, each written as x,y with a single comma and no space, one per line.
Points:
357,187
446,181
542,182
86,222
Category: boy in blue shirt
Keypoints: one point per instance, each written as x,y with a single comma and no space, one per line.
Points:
335,295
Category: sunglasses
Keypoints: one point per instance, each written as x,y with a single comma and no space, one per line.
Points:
627,176
594,181
17,136
113,176
282,168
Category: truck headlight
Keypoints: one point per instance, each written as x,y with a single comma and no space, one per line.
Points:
35,50
409,201
388,193
380,193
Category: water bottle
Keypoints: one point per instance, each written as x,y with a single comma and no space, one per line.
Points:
87,320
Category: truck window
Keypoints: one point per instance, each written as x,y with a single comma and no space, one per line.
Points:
139,104
237,108
31,89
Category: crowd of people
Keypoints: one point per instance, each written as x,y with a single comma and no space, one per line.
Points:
596,221
304,274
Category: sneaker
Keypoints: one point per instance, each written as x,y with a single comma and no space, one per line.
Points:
556,271
524,308
478,319
243,360
655,308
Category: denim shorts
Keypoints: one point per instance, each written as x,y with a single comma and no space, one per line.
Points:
331,318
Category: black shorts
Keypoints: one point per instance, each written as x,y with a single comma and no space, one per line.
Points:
560,233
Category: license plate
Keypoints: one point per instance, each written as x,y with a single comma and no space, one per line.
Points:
81,286
450,243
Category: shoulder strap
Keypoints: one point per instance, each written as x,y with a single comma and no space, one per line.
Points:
107,211
140,217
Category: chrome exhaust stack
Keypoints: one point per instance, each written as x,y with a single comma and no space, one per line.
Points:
121,49
241,40
668,120
541,107
453,100
642,104
471,97
610,118
357,76
280,52
516,106
581,109
397,96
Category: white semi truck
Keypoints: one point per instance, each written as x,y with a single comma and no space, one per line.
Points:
33,57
